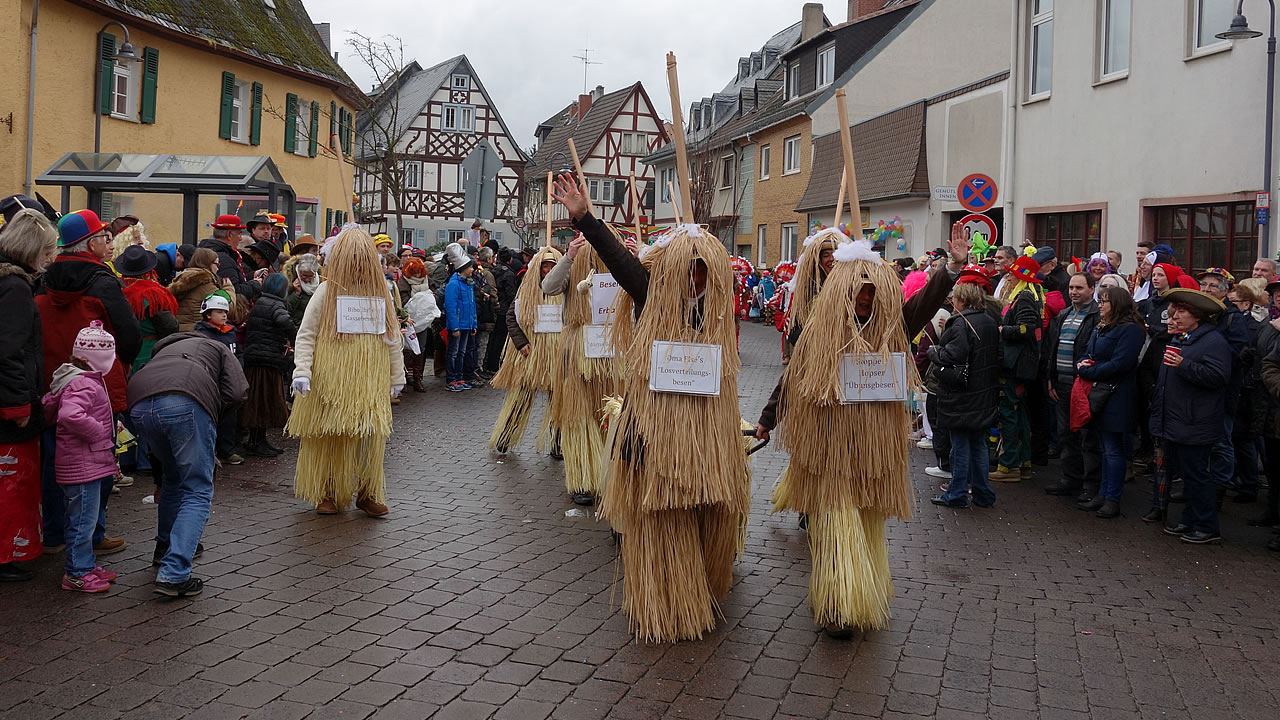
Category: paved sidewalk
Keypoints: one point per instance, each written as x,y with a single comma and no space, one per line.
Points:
477,597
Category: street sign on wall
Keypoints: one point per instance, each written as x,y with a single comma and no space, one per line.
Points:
977,193
944,193
979,223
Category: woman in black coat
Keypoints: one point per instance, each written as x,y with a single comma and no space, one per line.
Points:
268,339
1111,360
970,344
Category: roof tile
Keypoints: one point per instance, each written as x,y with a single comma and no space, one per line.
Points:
888,154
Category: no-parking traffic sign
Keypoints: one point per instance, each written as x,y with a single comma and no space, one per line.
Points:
977,193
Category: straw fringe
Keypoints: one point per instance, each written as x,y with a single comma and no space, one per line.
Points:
808,279
349,392
665,591
850,585
340,467
537,370
513,420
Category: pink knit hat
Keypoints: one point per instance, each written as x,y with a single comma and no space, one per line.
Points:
97,346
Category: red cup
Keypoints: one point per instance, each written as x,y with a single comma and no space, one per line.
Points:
1171,349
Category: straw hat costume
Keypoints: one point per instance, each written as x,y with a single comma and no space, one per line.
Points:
522,376
809,276
344,378
678,483
582,383
848,465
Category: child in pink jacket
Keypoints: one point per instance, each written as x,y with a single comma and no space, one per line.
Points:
77,402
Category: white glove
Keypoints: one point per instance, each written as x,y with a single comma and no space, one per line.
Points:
395,390
301,386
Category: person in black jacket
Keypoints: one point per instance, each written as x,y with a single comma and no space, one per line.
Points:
225,242
1231,322
268,340
1068,337
27,243
970,344
1020,335
1187,408
505,281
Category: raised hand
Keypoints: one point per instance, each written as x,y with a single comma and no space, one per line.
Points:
571,195
958,245
575,245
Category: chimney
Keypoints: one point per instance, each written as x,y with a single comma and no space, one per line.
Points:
810,21
584,104
597,93
859,9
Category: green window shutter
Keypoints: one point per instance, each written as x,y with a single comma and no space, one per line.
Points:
106,49
333,126
150,73
255,116
314,141
290,122
328,220
342,131
346,131
228,98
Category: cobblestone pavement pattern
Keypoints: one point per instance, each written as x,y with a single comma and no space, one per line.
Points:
477,597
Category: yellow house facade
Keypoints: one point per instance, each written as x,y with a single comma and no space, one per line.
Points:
214,78
784,159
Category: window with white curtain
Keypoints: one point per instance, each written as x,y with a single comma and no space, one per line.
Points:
1040,49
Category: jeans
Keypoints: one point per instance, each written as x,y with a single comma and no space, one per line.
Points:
1015,427
83,510
456,355
1115,454
969,468
228,435
1224,455
1081,459
181,435
471,363
1193,464
941,435
481,352
53,501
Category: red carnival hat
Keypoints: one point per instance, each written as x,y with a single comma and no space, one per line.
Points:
1025,269
227,222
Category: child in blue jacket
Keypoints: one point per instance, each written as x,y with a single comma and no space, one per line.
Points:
460,320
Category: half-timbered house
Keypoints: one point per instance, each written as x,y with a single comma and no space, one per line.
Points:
433,154
611,132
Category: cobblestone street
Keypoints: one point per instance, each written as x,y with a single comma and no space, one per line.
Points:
477,597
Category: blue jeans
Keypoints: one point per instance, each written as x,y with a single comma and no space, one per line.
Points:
1224,455
1115,453
1193,463
53,501
473,358
456,355
969,468
181,435
84,506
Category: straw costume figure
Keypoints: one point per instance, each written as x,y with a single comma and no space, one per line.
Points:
531,360
678,483
344,378
582,383
848,466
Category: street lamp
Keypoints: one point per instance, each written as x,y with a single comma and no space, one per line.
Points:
126,53
1240,30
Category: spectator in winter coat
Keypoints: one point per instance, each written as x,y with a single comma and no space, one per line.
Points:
197,282
176,403
460,319
1020,334
27,244
504,279
268,343
1187,409
226,243
153,305
305,271
1069,335
1111,360
1217,283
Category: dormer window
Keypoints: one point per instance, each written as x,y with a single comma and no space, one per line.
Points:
461,82
706,116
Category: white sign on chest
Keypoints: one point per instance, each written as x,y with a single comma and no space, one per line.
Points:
550,319
595,342
687,368
361,315
604,289
873,378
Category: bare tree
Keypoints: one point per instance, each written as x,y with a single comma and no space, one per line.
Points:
377,153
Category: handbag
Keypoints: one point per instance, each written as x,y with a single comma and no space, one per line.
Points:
1081,409
1099,394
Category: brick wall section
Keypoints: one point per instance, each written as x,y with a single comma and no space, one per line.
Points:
774,200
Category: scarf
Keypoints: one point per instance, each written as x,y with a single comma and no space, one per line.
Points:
147,297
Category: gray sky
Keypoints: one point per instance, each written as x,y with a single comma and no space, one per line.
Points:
523,51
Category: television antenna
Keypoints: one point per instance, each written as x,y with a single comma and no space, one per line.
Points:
587,62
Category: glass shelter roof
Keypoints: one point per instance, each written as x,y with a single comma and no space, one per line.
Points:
162,173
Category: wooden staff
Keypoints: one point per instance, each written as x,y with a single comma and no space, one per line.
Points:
840,203
850,175
582,177
677,121
635,199
675,200
548,208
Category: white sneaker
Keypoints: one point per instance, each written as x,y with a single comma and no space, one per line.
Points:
925,443
937,472
124,481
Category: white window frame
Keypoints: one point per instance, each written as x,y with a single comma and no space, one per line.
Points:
1194,48
726,172
406,236
464,118
635,143
1106,38
765,158
1044,17
600,190
128,73
762,244
793,80
826,65
791,155
464,85
302,129
790,238
457,235
240,113
412,174
666,179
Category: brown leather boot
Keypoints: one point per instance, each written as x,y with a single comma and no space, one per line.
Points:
327,507
372,507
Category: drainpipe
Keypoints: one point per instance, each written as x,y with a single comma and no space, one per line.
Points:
1011,123
31,98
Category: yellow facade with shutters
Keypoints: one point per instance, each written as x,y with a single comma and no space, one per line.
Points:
778,190
189,79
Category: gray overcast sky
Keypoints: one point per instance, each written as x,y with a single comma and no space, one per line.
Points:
523,51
